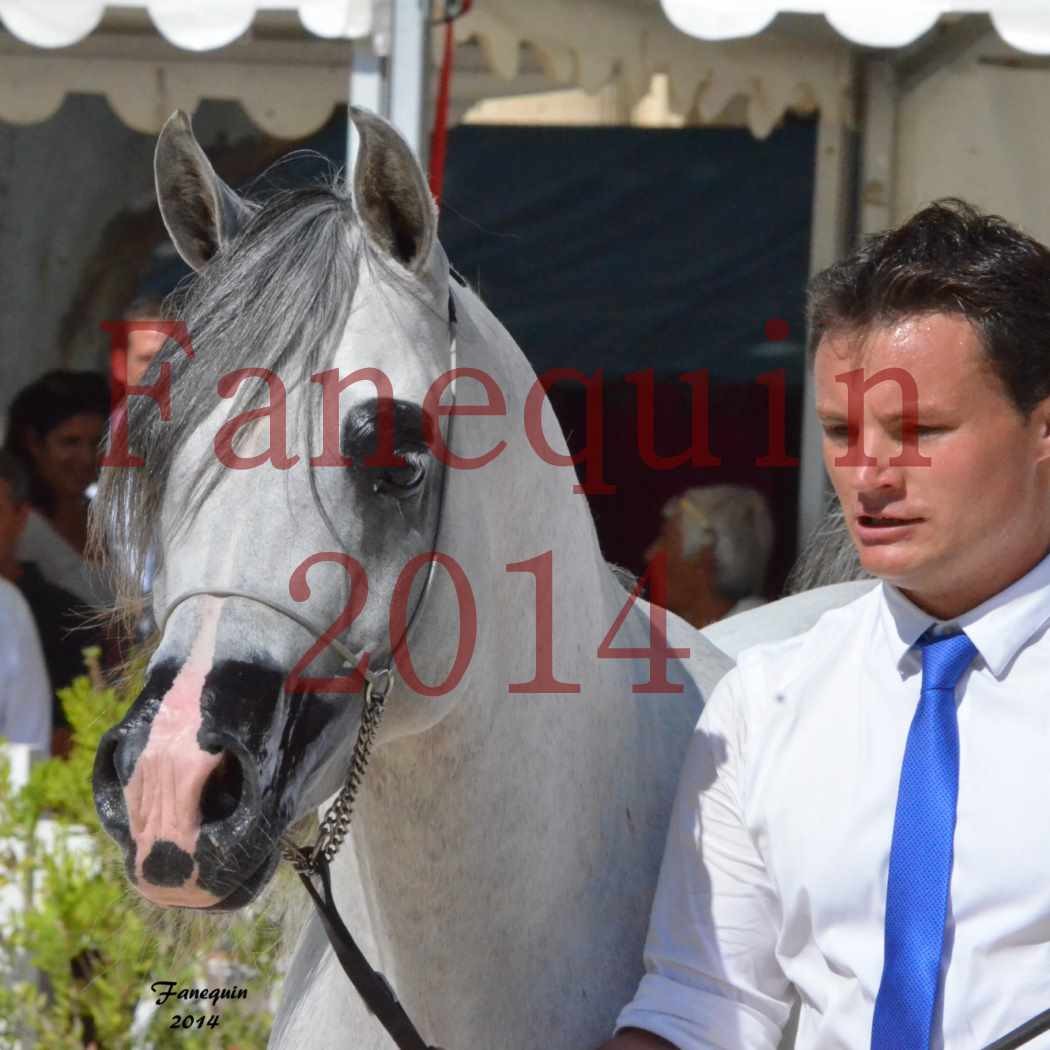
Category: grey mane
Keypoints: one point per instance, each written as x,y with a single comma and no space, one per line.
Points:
828,555
278,298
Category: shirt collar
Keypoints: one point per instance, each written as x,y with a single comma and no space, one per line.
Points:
999,627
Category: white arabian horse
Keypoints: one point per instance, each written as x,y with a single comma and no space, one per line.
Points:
506,841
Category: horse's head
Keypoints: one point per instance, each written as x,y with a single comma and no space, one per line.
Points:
281,478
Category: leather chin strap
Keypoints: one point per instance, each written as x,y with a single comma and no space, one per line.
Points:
371,985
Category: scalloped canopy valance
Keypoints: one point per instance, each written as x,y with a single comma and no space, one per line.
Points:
196,25
1023,24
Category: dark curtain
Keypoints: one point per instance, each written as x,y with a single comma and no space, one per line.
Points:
619,249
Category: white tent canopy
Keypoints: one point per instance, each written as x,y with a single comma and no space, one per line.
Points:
196,25
147,58
1024,24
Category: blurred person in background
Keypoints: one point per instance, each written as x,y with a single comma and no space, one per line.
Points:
60,617
25,692
716,543
143,343
55,427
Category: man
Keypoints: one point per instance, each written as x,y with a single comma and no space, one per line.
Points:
861,823
25,693
716,542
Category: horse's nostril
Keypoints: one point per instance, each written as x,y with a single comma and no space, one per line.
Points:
222,791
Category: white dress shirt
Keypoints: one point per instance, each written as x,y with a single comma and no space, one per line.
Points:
25,692
774,878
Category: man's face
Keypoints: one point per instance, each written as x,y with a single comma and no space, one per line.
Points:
143,344
12,521
960,529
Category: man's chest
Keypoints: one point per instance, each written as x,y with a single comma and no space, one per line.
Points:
821,804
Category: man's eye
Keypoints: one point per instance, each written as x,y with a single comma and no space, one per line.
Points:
837,431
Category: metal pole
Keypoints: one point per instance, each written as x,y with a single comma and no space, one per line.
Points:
832,205
409,72
878,146
366,90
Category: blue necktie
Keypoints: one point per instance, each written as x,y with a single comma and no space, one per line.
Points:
921,854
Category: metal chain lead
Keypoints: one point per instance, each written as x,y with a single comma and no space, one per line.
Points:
336,822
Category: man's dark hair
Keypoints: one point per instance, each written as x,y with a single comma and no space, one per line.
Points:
949,258
12,471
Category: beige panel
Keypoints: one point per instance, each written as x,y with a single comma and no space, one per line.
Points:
979,132
591,42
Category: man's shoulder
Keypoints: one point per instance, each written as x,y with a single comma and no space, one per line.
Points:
780,626
750,700
823,623
795,640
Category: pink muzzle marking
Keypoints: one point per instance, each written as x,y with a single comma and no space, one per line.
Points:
163,797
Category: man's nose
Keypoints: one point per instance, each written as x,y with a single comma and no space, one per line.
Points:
875,463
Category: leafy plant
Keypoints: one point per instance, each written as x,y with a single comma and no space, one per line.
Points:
96,946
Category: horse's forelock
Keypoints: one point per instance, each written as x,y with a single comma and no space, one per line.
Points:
279,300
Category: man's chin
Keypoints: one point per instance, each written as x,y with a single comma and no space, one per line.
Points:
892,565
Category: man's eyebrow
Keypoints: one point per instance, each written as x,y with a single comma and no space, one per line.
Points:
827,414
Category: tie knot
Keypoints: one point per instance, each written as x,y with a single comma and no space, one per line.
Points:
944,659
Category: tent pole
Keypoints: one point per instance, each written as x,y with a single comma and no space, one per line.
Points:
367,89
878,145
409,70
833,219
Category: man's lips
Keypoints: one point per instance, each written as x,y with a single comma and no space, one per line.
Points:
885,520
882,528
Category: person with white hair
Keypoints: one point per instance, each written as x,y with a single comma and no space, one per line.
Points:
716,542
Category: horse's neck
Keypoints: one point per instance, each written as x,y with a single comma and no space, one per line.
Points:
509,852
490,841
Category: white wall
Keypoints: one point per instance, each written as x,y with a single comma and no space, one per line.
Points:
979,132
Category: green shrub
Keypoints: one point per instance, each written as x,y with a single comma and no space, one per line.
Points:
87,918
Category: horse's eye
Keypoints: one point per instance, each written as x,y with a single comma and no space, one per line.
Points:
401,480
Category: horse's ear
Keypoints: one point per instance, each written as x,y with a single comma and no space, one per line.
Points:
201,212
391,195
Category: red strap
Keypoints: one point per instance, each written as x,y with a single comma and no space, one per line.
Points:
439,136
